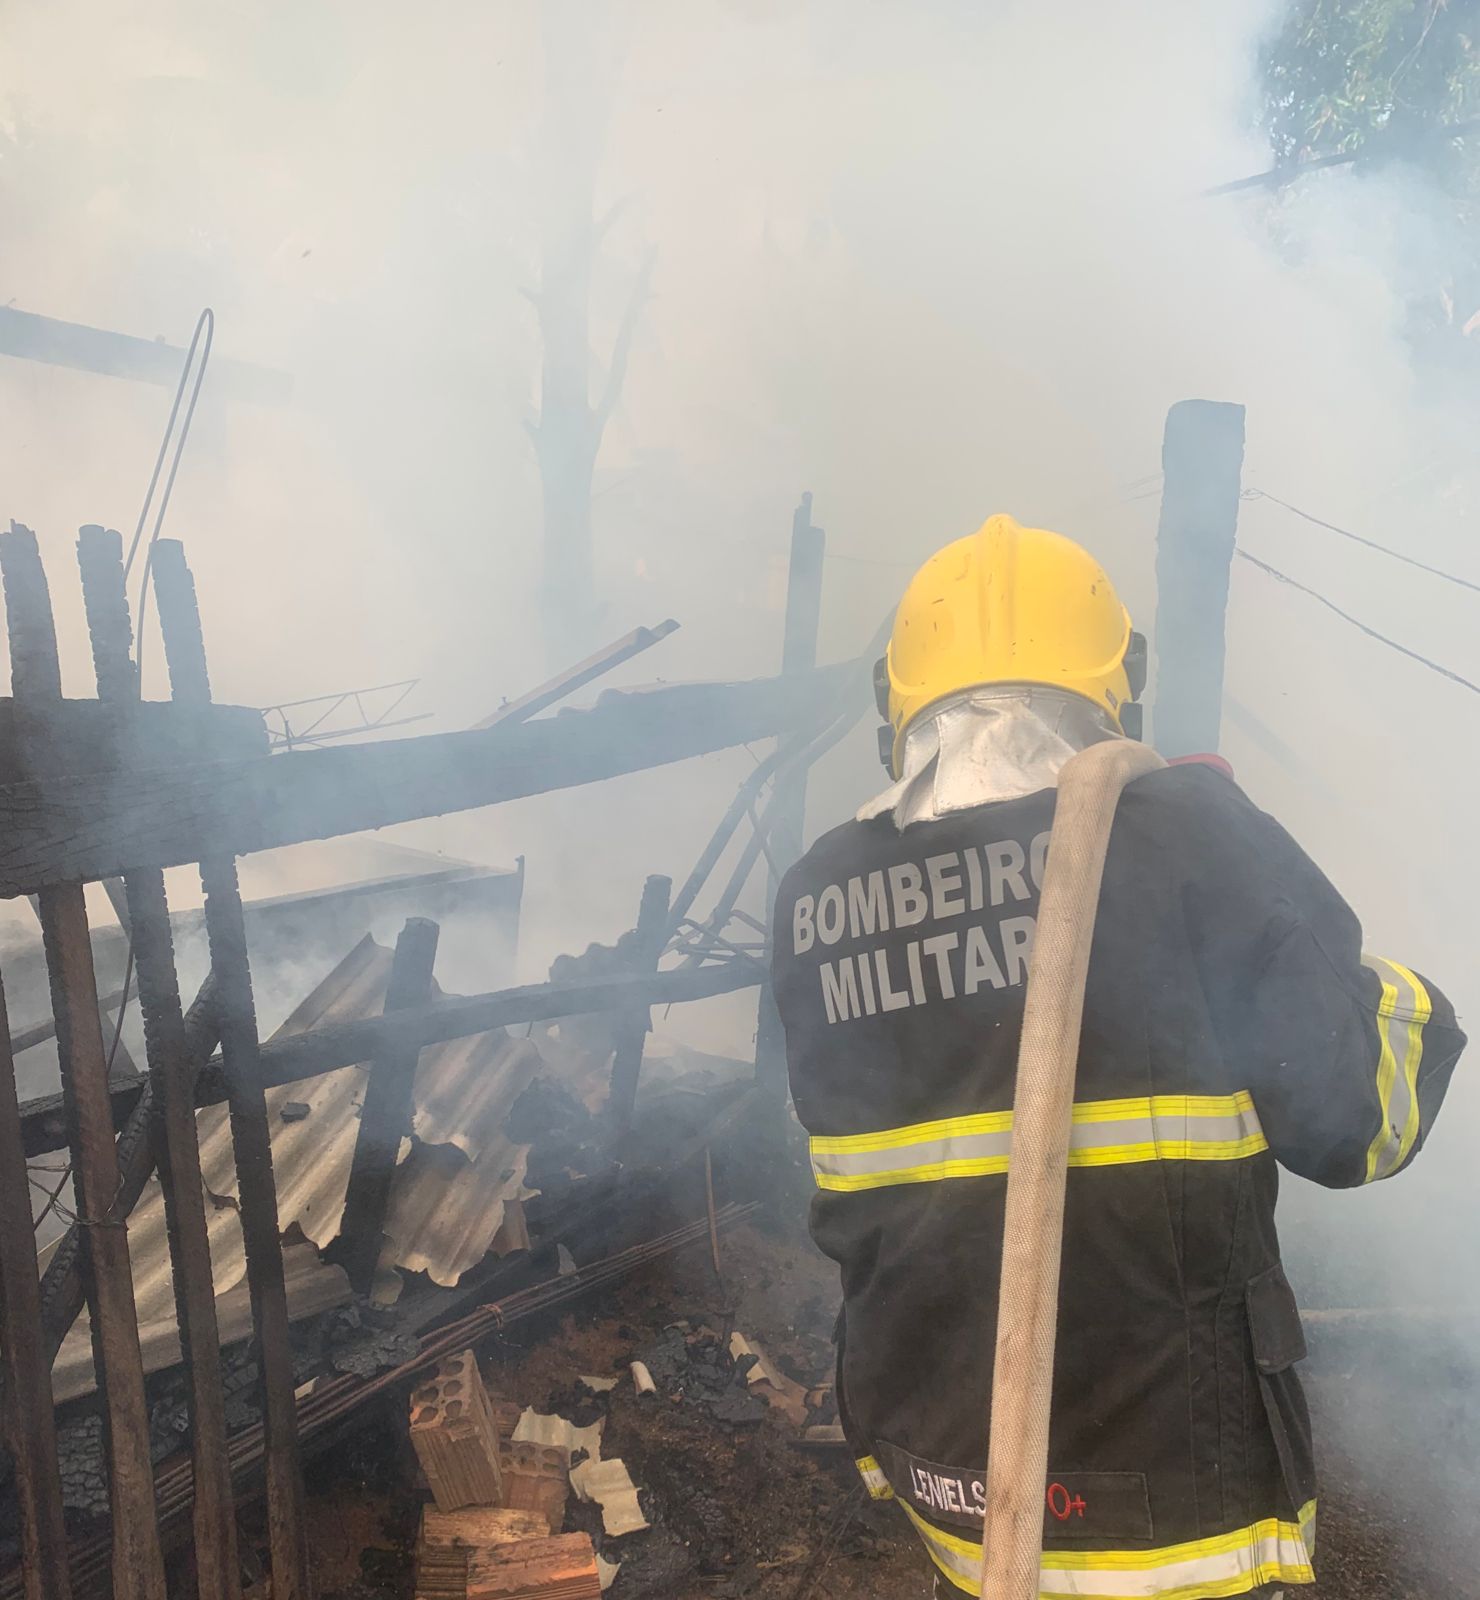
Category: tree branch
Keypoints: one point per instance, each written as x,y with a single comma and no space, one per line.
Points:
616,373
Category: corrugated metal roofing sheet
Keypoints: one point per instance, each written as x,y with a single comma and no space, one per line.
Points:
447,1199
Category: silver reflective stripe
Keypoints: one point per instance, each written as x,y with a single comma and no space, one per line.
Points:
1104,1133
1226,1564
1402,1011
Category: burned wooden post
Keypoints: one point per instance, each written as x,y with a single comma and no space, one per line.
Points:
172,1099
647,942
385,1116
30,1427
787,813
61,1285
1202,457
36,684
179,622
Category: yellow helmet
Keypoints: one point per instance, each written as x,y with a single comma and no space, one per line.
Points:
1008,604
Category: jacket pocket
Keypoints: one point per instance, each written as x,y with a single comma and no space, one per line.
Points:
1278,1344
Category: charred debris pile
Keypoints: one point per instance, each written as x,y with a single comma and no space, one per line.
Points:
265,1242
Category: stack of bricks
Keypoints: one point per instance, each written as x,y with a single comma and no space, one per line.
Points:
497,1554
500,1502
456,1437
534,1477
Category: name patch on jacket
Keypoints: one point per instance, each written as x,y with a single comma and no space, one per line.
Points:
956,887
1093,1505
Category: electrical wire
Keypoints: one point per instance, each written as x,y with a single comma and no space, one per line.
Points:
205,324
1372,633
1357,538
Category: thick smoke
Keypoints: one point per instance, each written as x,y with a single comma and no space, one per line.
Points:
927,261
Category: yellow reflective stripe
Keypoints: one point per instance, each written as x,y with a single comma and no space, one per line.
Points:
931,1172
1104,1133
1269,1551
1402,1011
1162,1105
873,1478
916,1133
1115,1155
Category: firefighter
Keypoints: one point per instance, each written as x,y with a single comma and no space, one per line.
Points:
1232,1024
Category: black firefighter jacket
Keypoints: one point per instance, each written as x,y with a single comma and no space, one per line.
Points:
1232,1023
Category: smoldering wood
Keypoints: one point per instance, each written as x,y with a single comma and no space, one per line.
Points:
386,1111
106,1273
90,826
251,1136
347,1044
143,910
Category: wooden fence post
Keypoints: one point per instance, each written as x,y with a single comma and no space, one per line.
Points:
251,1137
1202,457
787,812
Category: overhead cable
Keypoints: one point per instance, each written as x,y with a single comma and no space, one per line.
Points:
1372,633
1357,538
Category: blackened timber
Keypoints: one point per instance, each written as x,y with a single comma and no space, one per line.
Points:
648,939
133,1112
346,1044
1202,456
787,814
578,676
30,1428
92,826
251,1136
385,1115
138,1565
143,909
34,337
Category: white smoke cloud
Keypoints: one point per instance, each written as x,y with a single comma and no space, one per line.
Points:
928,261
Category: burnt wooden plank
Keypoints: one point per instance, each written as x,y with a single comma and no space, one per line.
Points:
140,736
347,1044
385,1115
30,1428
648,939
251,1136
61,1286
138,1565
144,911
93,826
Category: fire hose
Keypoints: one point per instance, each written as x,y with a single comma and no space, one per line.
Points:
1089,789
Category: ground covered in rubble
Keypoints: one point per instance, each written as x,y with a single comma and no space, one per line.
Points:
737,1508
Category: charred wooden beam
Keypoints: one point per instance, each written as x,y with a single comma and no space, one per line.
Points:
251,1136
134,1111
385,1115
92,826
122,355
578,676
144,910
347,1044
648,939
107,1275
132,736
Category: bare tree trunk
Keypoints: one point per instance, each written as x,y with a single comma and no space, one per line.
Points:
580,62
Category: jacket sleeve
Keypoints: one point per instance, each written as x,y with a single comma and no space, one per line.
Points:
1347,1055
